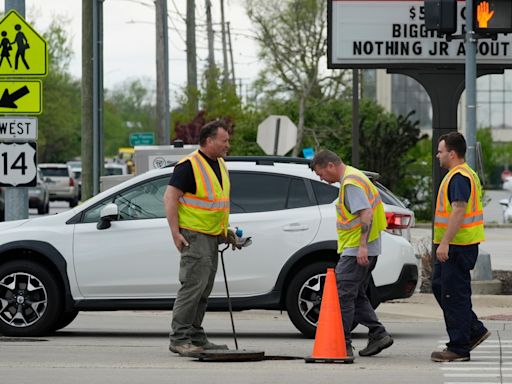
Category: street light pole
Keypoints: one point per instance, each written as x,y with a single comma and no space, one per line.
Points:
471,46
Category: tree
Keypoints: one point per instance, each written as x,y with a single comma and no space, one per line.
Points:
129,108
292,37
59,124
385,141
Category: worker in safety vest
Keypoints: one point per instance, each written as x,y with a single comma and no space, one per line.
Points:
197,207
458,229
360,220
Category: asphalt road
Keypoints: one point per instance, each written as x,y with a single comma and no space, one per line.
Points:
131,347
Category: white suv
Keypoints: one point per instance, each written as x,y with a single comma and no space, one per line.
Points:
115,251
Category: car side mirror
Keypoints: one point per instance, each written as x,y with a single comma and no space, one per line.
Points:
109,213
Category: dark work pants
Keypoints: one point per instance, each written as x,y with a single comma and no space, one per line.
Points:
451,285
198,266
352,280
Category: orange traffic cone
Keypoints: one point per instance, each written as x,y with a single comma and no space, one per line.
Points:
330,339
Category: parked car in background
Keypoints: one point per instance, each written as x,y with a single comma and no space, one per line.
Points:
61,182
115,252
116,169
39,196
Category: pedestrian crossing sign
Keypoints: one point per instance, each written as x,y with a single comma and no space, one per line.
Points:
23,52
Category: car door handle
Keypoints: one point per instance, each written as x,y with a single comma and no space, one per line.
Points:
295,227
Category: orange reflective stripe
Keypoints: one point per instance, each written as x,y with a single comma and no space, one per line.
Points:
205,176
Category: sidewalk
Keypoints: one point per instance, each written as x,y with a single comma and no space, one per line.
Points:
424,306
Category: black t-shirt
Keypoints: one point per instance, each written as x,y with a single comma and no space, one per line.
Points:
183,175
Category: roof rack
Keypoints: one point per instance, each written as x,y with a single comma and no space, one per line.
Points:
269,160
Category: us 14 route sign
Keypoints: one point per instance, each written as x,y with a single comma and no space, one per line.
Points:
18,166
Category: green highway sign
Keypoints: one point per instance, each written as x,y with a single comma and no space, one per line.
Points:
142,138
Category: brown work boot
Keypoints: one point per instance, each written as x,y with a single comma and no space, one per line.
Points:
186,350
209,346
476,341
446,356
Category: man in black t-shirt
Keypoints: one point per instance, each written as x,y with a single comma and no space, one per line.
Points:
198,217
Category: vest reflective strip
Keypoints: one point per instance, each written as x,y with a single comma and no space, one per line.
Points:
204,204
205,177
469,220
376,202
366,187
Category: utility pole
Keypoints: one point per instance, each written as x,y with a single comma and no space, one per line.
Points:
355,117
87,105
209,31
225,72
162,74
191,57
231,56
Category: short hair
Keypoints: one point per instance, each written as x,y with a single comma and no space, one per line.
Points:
210,130
455,141
323,158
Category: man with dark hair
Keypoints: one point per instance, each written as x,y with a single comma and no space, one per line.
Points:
458,229
360,220
197,207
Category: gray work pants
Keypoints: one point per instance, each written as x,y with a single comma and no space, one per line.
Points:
352,281
198,266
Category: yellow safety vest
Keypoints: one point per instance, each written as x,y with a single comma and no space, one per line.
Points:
347,224
472,229
207,210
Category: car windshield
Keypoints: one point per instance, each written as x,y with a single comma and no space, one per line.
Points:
55,172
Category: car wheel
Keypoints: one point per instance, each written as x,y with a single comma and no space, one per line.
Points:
73,203
65,319
304,297
30,303
41,209
47,207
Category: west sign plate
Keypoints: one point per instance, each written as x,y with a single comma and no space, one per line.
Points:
387,34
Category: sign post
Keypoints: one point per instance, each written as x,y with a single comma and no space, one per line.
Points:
24,56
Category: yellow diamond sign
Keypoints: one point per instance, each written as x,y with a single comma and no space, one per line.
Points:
23,52
21,97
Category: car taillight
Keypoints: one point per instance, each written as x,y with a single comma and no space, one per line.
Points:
398,220
71,182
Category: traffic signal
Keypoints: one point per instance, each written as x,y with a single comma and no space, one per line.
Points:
492,16
441,16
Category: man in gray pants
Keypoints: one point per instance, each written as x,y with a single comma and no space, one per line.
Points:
197,207
360,219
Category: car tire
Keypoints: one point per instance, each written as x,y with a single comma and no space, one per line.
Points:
65,319
41,209
29,294
47,207
305,289
73,202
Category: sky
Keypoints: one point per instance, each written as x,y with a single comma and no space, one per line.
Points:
129,38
